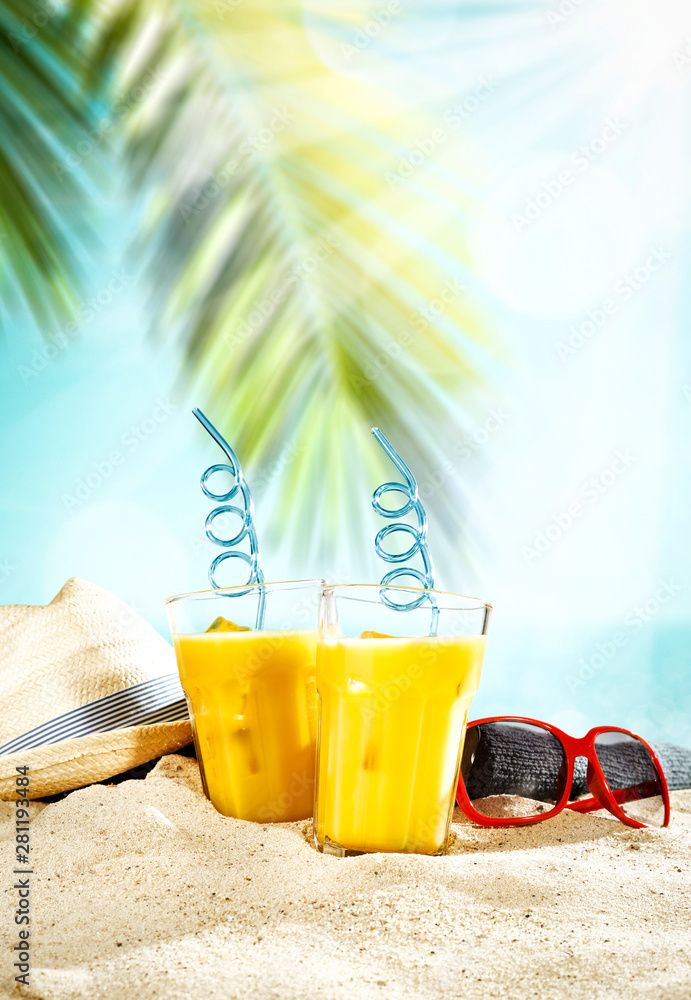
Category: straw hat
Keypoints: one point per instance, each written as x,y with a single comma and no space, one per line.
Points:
88,689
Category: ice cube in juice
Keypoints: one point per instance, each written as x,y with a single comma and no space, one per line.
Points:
392,716
252,698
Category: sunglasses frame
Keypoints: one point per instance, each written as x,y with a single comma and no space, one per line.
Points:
602,797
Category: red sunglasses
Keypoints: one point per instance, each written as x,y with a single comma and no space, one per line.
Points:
539,764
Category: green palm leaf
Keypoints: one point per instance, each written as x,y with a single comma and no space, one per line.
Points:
45,113
289,260
295,273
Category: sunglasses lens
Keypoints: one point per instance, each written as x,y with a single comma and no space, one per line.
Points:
632,778
514,759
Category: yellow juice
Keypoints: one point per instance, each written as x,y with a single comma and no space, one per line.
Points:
253,700
392,716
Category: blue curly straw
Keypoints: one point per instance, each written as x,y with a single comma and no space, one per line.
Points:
245,512
424,577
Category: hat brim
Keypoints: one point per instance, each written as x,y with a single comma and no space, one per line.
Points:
61,767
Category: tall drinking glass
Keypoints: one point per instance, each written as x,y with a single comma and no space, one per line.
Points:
247,660
397,669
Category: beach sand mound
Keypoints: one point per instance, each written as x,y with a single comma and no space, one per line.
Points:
143,890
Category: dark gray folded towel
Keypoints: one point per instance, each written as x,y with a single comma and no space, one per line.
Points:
513,761
676,763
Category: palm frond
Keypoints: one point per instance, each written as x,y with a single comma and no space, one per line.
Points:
45,115
296,272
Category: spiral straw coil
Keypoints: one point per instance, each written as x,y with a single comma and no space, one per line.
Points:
245,513
412,502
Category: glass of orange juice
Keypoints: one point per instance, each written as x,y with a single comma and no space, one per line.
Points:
397,668
247,661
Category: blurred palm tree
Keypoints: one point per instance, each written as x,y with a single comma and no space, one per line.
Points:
298,232
42,112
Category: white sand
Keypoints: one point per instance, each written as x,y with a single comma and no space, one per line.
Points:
143,890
